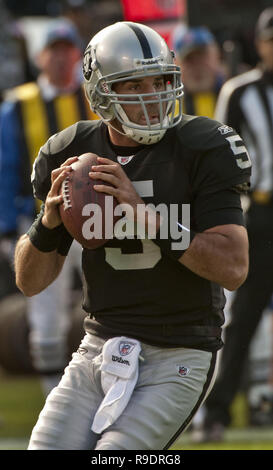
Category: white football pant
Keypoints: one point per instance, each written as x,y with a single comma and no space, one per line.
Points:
172,384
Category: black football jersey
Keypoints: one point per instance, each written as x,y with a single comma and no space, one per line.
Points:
130,287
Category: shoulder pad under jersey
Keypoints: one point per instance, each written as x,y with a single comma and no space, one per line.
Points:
58,142
202,133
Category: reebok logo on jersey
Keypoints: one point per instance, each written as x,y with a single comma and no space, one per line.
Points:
225,129
119,359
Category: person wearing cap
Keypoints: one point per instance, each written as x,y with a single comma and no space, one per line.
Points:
28,116
203,74
246,104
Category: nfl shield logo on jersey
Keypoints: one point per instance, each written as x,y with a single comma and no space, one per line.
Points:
125,348
124,160
182,370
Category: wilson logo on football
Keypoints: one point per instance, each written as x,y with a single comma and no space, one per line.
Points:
126,348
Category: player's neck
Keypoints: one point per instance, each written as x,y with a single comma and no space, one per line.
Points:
119,139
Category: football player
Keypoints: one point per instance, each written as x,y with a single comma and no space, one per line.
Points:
154,310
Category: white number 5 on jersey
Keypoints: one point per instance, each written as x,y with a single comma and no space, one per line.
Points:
151,253
243,161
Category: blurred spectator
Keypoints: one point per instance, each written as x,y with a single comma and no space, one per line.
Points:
31,113
246,103
203,74
81,14
34,8
13,56
90,16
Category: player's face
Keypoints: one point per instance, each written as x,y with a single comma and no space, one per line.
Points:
141,86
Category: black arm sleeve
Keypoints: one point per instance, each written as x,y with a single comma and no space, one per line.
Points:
221,175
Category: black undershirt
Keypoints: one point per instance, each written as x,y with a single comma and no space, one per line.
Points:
124,151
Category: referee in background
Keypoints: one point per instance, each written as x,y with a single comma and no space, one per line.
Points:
246,104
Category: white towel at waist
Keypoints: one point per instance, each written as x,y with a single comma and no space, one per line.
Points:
119,374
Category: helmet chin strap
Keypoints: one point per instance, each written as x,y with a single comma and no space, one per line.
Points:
139,135
146,136
115,129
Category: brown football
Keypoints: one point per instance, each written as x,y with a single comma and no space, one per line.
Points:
87,214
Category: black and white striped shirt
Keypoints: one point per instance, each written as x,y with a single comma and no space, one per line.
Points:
246,104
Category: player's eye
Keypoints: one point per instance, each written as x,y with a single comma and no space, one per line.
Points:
134,87
159,85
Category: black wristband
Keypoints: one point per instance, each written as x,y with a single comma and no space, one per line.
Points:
170,247
43,238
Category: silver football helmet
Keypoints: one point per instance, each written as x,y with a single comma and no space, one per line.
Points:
124,51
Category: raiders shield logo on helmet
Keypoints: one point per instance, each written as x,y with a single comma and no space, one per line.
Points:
87,64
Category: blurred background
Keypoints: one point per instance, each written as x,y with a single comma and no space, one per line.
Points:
187,26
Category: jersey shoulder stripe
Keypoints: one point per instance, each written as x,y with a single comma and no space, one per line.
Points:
72,141
62,140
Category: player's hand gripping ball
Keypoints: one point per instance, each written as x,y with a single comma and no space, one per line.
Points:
88,215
